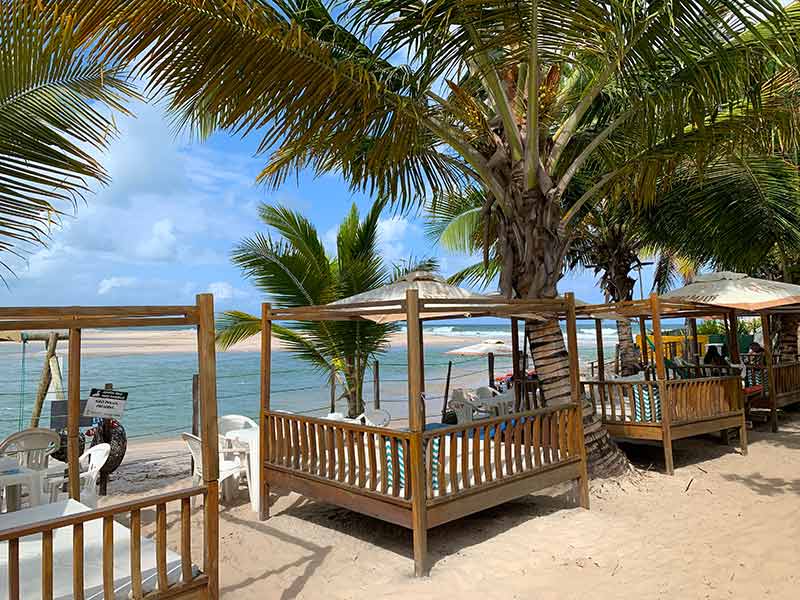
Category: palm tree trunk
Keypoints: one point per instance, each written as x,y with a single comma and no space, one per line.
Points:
628,353
533,256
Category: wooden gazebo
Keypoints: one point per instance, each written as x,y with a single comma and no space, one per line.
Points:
417,477
772,381
666,409
67,573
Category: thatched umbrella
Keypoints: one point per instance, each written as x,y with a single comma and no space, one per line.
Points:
738,291
429,287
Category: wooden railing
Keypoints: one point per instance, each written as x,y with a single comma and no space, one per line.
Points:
189,581
643,401
372,459
467,456
693,399
624,401
787,378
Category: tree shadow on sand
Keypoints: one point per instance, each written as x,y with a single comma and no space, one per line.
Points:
315,556
443,541
765,486
687,452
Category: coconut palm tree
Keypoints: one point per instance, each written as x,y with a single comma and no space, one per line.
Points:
54,102
414,99
294,269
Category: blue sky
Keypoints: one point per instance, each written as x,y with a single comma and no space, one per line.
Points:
163,229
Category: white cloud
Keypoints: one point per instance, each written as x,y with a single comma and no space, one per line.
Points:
111,283
392,234
222,290
161,245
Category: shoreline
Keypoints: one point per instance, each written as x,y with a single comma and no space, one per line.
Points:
97,342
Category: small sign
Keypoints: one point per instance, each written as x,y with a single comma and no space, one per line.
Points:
106,404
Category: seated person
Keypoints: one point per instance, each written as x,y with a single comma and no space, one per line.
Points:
714,359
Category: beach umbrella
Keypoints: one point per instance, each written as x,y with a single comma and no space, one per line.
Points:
429,287
737,290
496,347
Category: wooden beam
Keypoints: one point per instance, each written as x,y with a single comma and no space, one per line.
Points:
666,397
376,385
643,330
207,379
515,364
575,395
266,382
695,347
733,342
46,378
419,519
773,403
601,359
74,412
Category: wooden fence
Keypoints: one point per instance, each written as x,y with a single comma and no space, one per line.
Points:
191,583
466,467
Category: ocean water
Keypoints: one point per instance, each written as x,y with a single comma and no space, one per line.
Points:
160,385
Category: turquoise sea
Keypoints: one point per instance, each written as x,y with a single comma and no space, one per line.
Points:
160,385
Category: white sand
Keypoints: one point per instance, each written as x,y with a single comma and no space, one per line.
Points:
151,341
725,526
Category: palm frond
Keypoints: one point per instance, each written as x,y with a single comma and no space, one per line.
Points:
54,103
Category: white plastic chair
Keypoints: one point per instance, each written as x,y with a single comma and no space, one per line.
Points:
31,448
229,469
90,463
376,417
486,393
233,422
464,405
227,423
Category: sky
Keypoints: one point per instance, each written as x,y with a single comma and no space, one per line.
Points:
163,229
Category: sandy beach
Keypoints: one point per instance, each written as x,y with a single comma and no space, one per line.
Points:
725,526
127,342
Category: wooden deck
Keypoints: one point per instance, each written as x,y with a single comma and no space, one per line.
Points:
774,390
669,410
467,468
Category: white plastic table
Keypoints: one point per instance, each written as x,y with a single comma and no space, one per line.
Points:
28,477
249,437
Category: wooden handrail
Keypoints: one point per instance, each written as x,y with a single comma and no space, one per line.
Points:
340,424
99,513
95,311
431,433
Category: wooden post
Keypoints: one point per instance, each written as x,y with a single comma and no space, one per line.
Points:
773,400
446,388
266,382
643,330
734,341
105,437
695,348
419,517
666,402
74,413
376,385
601,359
333,391
491,369
46,378
195,411
525,345
207,372
575,396
515,364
